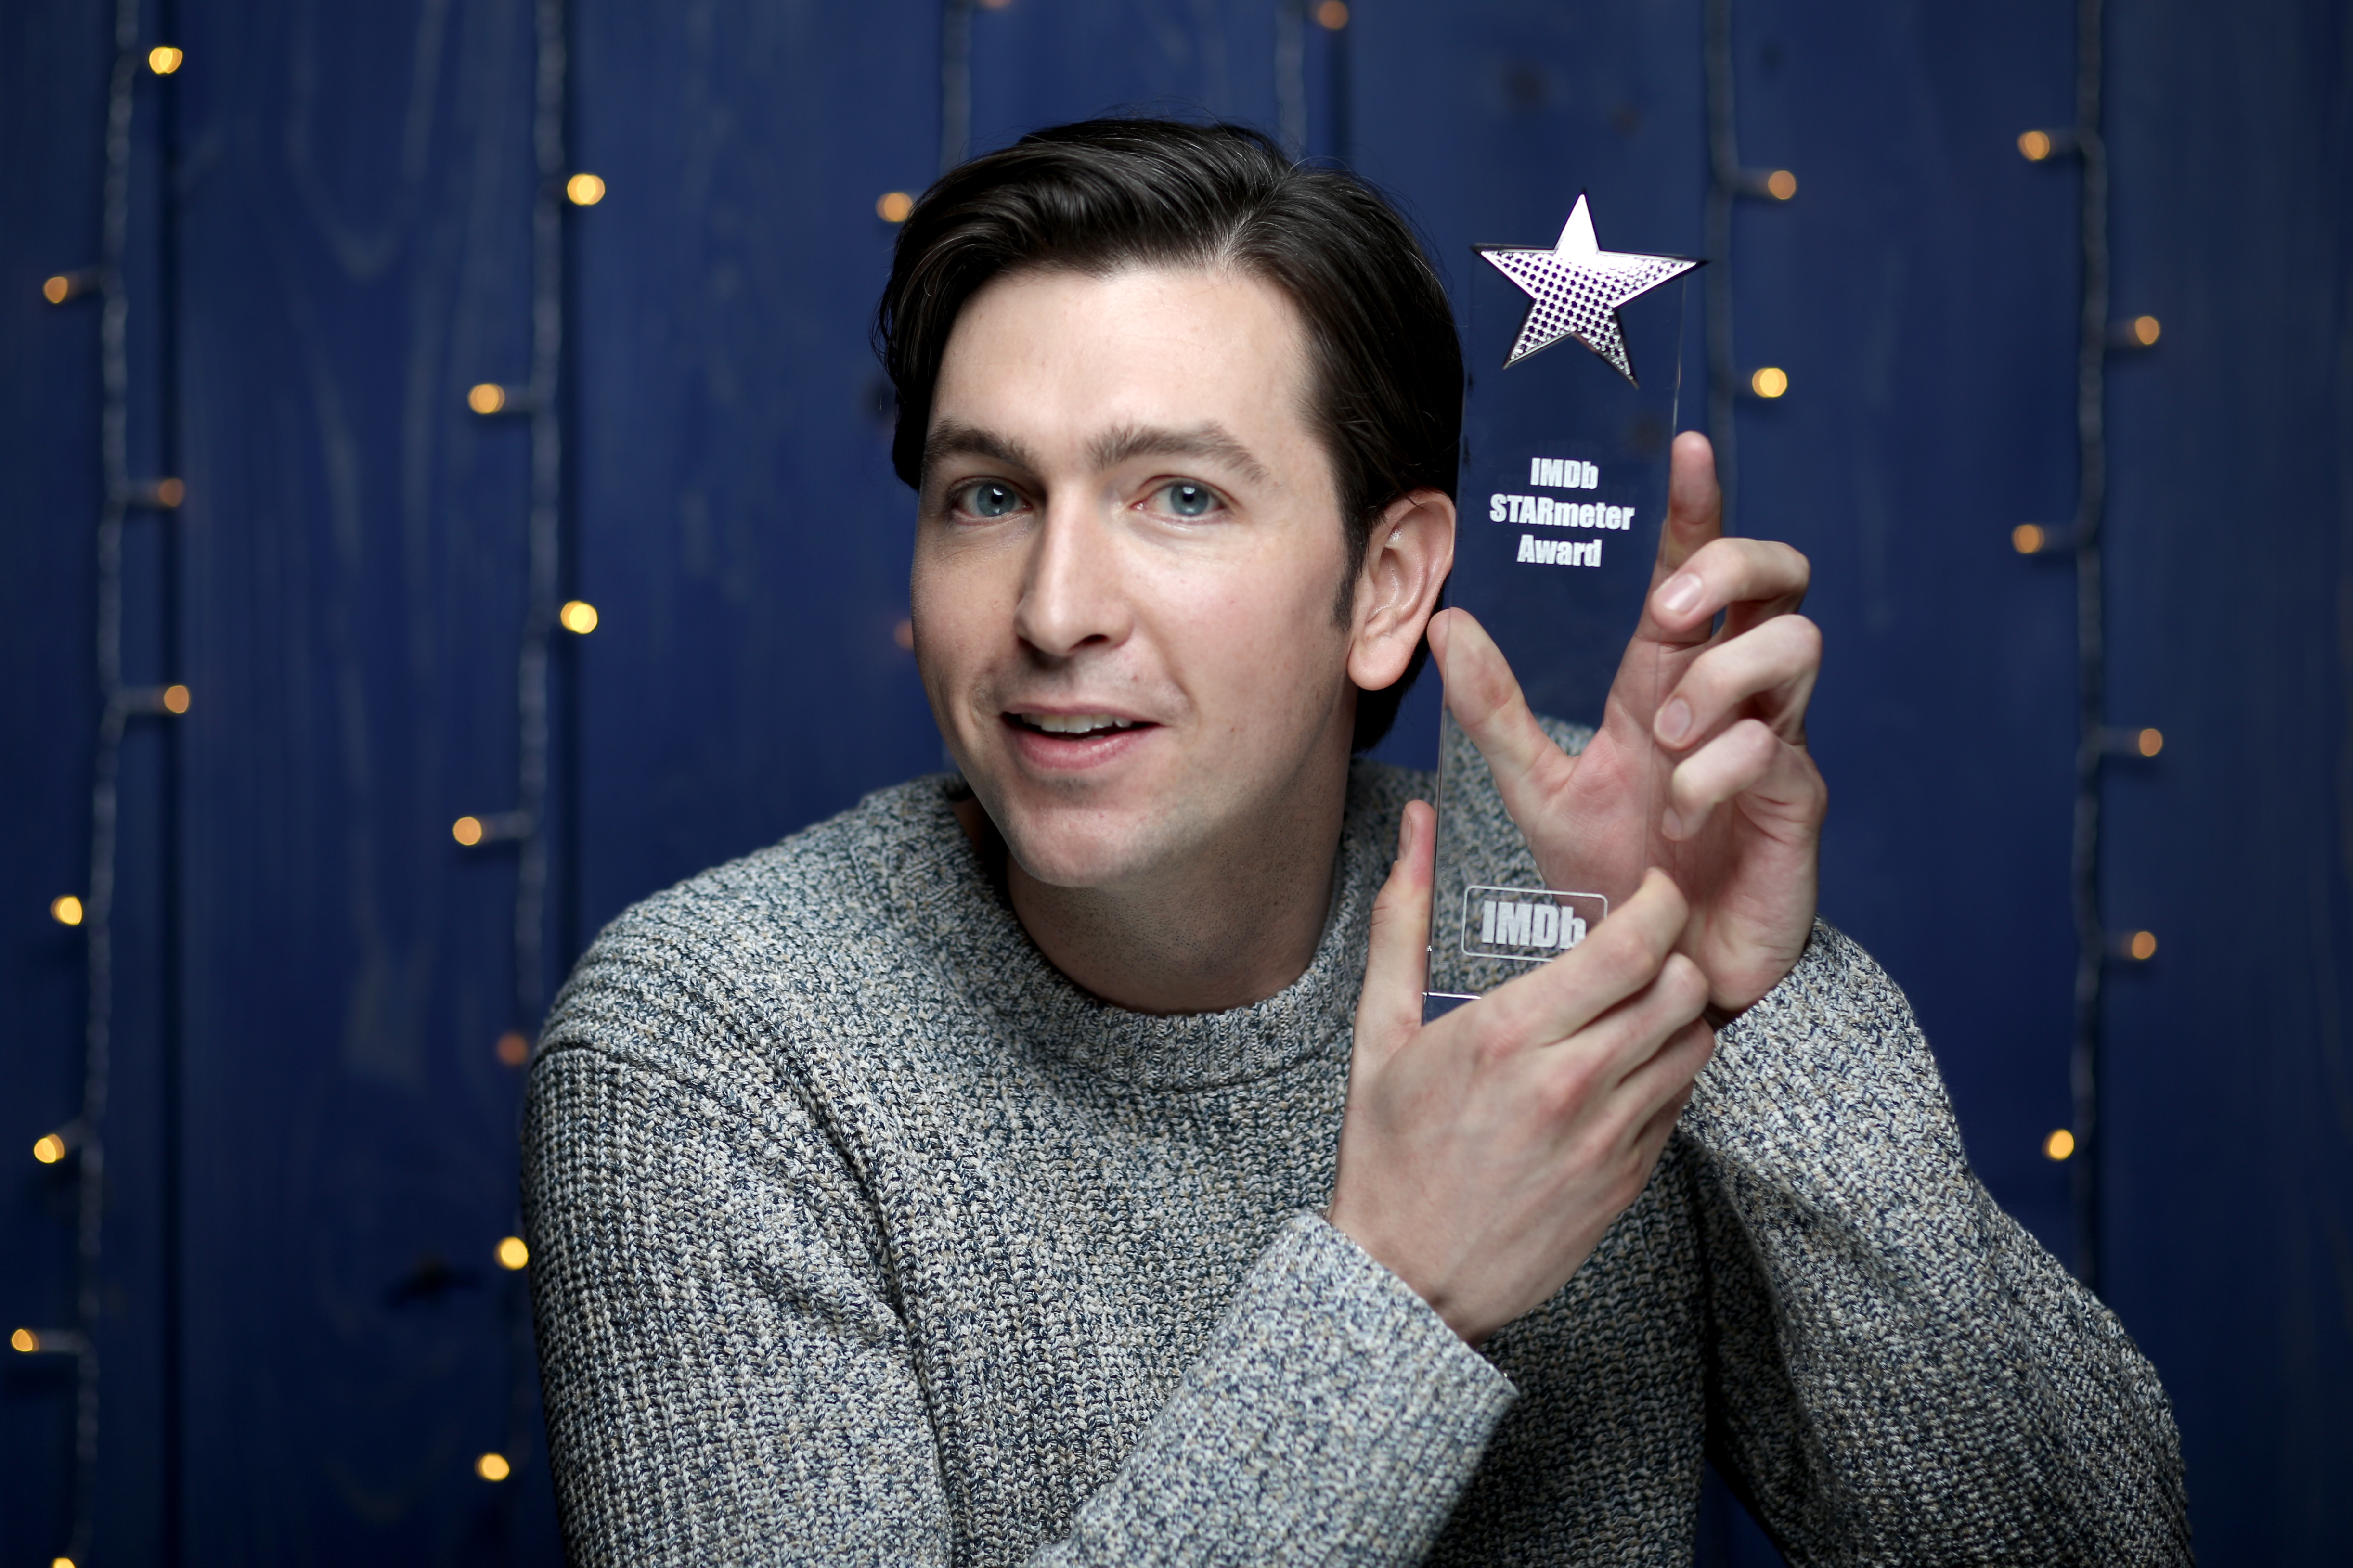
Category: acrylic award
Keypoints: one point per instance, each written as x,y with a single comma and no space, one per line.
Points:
1575,362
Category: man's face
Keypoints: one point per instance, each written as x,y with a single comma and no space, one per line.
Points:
1126,568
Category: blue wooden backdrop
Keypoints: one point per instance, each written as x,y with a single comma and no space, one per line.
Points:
306,1339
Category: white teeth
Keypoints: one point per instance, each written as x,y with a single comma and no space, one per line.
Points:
1075,724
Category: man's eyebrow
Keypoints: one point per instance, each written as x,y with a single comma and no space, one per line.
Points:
1210,440
951,439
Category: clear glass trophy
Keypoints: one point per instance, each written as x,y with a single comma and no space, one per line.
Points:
1575,366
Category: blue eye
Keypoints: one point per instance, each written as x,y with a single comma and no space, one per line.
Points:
1188,499
990,498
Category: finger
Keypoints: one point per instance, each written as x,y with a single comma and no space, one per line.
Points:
1751,580
1778,663
1749,762
1695,504
1616,1047
1396,969
1484,698
1662,1086
1621,958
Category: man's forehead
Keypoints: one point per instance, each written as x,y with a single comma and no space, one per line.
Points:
1102,367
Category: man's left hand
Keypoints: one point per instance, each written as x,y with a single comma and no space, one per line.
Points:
1712,719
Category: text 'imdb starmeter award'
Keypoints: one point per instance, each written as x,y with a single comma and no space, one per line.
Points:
1563,492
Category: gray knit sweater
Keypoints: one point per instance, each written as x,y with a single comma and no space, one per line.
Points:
859,1233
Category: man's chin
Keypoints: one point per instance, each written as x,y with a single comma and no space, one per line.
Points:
1086,850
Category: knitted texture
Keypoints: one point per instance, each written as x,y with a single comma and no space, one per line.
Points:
859,1233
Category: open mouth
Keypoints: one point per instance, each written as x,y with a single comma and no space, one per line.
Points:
1076,726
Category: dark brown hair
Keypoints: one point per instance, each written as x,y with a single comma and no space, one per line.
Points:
1101,194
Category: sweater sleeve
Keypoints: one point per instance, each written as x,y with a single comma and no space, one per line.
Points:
1898,1373
728,1378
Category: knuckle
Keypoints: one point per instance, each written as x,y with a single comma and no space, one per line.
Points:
1561,1093
1682,986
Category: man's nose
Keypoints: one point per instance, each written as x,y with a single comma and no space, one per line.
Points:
1075,590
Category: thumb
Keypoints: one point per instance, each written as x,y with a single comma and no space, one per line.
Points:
1388,1011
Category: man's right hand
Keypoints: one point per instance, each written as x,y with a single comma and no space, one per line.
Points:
1483,1157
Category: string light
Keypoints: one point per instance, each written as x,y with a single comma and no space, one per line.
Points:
892,206
2141,946
1332,16
23,1341
2145,330
1728,181
48,1149
514,1254
164,60
584,190
65,910
467,830
514,1048
56,291
2095,946
493,1467
1771,381
2058,1145
904,634
175,700
486,398
2149,743
578,616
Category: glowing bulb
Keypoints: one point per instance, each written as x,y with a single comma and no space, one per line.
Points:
57,290
2035,145
2149,743
175,700
512,1253
2028,538
995,5
1781,184
467,830
488,397
578,616
25,1340
50,1148
493,1467
514,1048
2058,1145
66,910
170,492
164,60
585,190
1332,16
2142,945
61,1562
2145,330
904,634
1770,382
892,206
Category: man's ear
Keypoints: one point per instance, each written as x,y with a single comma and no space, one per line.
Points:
1406,556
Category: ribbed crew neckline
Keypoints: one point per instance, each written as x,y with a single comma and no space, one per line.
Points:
949,895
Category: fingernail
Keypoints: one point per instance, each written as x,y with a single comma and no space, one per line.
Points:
1674,721
1681,594
1674,824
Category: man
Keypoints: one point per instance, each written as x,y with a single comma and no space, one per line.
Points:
1050,1164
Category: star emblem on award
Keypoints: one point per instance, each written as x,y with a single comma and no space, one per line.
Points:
1575,288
